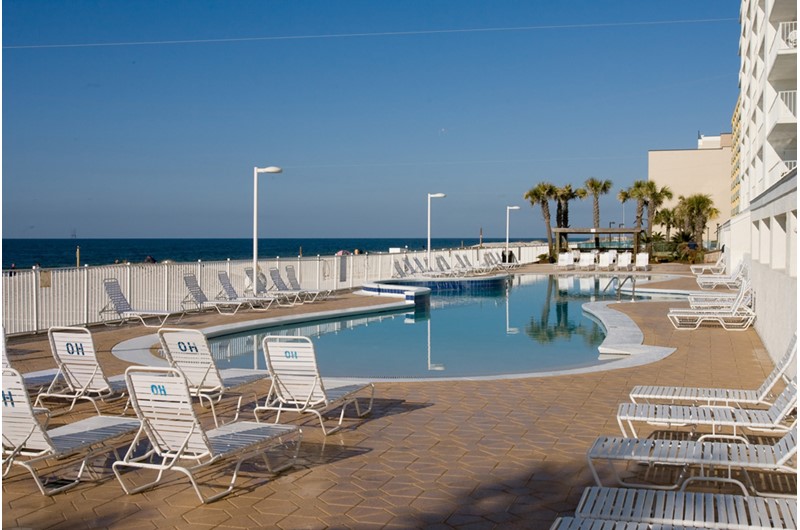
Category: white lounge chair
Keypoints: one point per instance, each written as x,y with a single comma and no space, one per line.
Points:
199,299
565,261
707,455
79,375
297,385
642,262
725,396
282,299
26,442
281,290
188,351
775,419
586,261
624,261
476,268
120,308
35,380
686,509
229,293
731,281
311,295
738,316
722,300
605,261
178,441
710,268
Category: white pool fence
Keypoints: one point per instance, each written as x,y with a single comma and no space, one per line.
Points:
36,299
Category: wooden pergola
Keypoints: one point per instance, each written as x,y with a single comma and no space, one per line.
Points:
598,233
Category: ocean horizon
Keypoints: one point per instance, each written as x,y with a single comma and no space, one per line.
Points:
56,253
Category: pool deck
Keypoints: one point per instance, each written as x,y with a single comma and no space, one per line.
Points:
455,454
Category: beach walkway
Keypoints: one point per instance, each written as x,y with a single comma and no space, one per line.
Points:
466,454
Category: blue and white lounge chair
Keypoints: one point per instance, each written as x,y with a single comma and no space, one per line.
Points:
26,442
310,295
229,293
79,375
297,385
720,419
724,396
199,299
656,510
178,441
715,456
188,351
119,306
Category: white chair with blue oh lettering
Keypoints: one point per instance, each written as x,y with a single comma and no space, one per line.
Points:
178,441
188,351
28,443
298,387
80,375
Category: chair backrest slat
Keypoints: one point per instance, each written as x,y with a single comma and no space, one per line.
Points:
74,352
292,364
20,425
188,351
114,292
161,400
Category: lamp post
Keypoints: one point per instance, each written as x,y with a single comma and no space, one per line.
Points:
508,211
257,171
431,196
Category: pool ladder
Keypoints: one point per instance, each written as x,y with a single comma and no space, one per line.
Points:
619,285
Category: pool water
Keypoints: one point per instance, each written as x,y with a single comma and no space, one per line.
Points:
533,324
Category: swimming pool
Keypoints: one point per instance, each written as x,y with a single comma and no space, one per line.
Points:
534,323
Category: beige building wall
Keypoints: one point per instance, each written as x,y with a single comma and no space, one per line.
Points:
687,172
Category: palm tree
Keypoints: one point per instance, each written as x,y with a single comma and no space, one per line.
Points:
654,198
696,211
563,196
639,192
666,218
596,188
541,194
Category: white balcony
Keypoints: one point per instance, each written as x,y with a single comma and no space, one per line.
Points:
780,169
782,54
782,118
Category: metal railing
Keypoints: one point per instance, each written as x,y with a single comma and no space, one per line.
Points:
34,300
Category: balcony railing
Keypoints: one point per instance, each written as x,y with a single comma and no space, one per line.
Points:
783,109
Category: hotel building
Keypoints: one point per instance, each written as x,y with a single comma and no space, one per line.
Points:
762,229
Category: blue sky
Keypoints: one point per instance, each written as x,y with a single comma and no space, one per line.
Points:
145,119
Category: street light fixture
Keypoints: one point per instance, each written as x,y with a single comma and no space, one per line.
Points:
431,196
256,172
508,211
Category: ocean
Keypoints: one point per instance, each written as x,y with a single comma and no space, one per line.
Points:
54,253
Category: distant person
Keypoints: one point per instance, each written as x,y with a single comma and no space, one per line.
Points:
357,252
13,271
149,259
510,256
